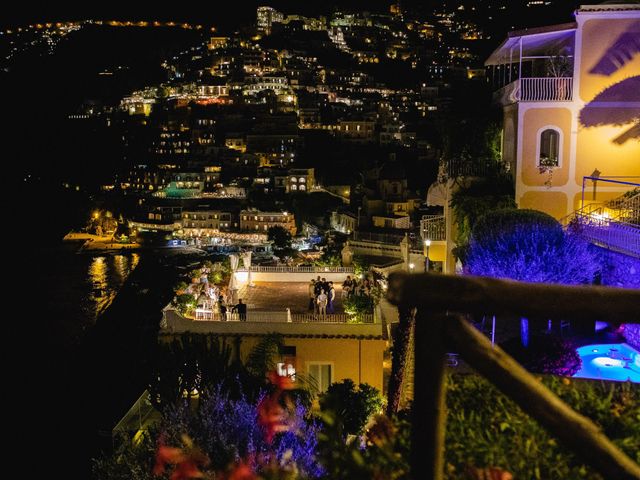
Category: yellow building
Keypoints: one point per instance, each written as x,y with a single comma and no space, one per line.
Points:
327,352
571,101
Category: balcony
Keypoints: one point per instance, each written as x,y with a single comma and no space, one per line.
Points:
539,89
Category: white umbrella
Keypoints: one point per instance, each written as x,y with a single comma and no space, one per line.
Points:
233,283
246,261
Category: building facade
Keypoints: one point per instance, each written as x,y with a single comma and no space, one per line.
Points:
571,103
256,221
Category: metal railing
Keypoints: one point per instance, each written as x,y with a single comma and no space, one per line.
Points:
286,269
614,224
554,89
285,317
386,238
538,89
602,231
433,227
438,331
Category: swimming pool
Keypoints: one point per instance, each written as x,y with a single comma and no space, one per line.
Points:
609,361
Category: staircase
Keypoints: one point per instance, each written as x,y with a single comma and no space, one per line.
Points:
614,225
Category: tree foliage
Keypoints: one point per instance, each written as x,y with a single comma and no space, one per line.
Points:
529,246
184,302
281,237
473,200
353,406
227,430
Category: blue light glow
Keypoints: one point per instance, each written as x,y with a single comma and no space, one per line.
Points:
615,361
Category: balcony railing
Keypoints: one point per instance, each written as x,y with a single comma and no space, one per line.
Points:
542,89
433,227
287,269
438,330
619,236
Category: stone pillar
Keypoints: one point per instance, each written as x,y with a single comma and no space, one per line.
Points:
347,255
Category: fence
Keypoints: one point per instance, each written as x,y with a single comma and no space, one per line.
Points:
284,317
437,331
286,269
433,227
551,89
387,238
542,89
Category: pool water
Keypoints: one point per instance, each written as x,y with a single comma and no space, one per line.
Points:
610,361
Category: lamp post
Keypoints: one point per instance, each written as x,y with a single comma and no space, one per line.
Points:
427,244
359,216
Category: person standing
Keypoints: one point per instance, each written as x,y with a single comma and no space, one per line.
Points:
223,310
312,295
322,303
346,286
331,298
241,310
325,285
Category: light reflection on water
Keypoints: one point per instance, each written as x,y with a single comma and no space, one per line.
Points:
106,274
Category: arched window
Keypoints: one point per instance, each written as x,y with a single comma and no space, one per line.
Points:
549,148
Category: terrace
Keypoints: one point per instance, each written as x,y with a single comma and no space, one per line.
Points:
534,65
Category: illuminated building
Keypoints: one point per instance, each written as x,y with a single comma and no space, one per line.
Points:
571,101
266,16
300,180
197,223
256,221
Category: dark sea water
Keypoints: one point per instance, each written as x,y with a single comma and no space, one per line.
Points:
80,287
88,343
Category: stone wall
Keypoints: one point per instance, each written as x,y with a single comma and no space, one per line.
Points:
619,270
631,334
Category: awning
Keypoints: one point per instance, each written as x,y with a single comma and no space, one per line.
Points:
536,43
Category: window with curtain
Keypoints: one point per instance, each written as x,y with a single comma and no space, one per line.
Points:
320,374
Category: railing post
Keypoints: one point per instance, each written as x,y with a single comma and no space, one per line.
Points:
429,416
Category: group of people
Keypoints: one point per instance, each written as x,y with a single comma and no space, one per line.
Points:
351,287
238,311
322,296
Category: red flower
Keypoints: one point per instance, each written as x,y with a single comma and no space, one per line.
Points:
489,473
242,471
187,463
271,416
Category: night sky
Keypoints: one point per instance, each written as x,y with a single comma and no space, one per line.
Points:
226,15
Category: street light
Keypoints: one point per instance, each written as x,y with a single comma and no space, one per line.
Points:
427,244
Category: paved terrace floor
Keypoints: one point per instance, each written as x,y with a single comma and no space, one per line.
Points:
277,296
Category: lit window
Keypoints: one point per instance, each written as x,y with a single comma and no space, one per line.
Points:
286,370
293,179
294,187
302,187
549,148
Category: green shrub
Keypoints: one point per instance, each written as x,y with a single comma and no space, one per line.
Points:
353,406
356,306
184,302
484,428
